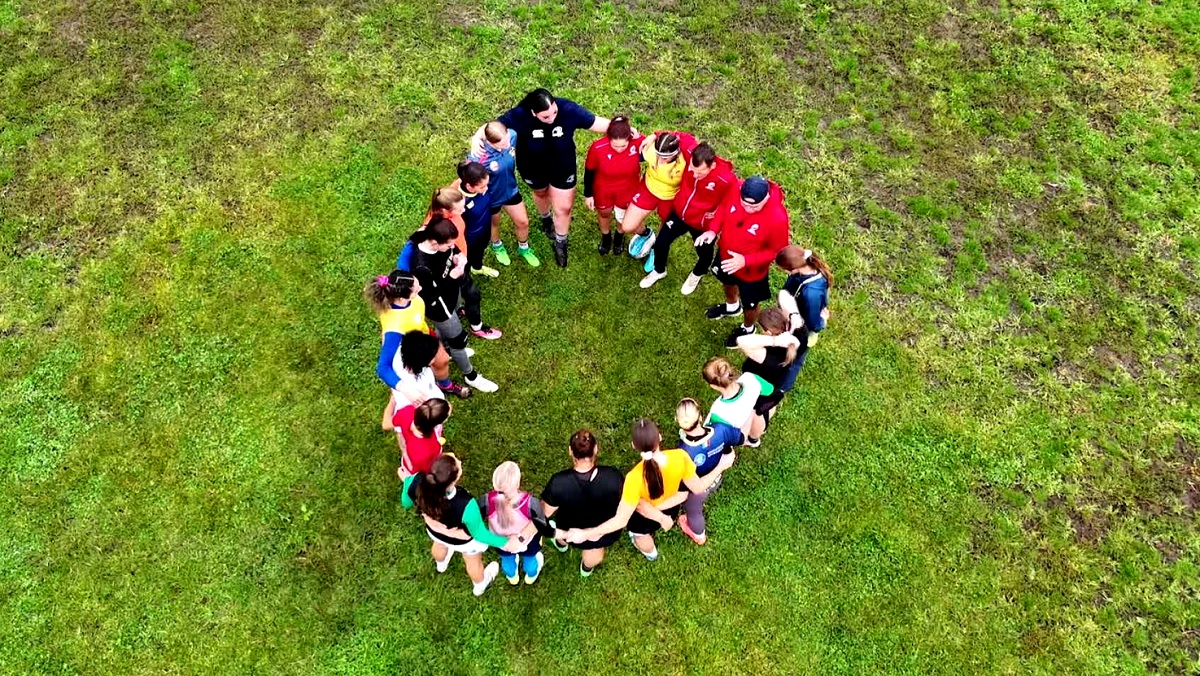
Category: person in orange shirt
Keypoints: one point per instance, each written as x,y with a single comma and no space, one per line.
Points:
654,489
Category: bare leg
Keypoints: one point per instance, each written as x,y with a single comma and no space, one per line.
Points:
520,219
749,317
605,216
563,202
635,219
644,543
758,425
441,363
474,567
496,227
439,551
592,558
731,294
541,198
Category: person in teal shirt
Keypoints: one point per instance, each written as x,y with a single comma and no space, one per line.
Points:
454,521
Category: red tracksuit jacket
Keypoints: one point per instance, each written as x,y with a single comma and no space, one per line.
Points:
697,199
758,237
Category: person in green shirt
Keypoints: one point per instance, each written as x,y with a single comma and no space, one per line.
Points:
454,521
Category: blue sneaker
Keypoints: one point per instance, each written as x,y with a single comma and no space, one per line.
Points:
649,266
640,246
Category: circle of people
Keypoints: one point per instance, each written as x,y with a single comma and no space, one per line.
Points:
742,225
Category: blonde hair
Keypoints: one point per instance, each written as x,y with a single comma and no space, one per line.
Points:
495,131
443,202
687,414
506,478
718,371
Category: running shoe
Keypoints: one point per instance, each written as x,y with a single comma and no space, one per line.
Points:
651,279
687,530
501,254
606,242
753,443
584,572
486,332
648,266
719,311
444,564
738,332
561,548
531,258
690,284
515,578
618,244
456,390
486,271
560,252
489,574
640,246
530,579
482,384
470,352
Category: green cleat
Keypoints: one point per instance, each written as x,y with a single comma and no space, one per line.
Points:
501,253
530,257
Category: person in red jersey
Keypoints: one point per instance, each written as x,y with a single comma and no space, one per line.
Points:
706,183
753,227
610,177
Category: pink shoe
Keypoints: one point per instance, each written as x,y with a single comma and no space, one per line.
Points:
687,530
486,332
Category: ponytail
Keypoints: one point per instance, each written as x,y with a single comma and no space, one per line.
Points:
646,440
719,372
821,266
431,492
380,291
443,202
430,414
505,479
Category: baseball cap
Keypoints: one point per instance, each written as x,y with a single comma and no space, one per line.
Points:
755,189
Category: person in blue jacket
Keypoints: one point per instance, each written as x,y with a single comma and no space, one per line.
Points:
474,183
705,443
805,296
499,155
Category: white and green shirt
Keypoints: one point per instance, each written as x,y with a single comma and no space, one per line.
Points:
737,411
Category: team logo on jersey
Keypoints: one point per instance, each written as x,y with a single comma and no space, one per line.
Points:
570,179
471,204
494,166
556,132
610,156
699,459
712,185
753,229
538,133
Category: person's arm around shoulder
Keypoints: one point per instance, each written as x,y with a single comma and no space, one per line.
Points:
699,484
473,520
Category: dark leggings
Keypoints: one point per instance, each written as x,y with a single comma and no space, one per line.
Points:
476,248
673,228
471,297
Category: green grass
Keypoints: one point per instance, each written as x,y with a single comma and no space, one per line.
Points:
990,465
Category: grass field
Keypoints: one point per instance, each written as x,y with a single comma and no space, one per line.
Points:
991,464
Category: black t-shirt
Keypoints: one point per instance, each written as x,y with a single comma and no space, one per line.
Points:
542,147
771,368
438,289
584,500
452,516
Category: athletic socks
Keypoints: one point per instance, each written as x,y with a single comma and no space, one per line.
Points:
732,307
559,238
523,245
584,571
445,384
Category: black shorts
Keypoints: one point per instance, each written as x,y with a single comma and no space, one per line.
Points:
562,177
751,293
640,525
766,402
600,543
510,202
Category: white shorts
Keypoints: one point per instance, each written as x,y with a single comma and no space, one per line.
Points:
472,547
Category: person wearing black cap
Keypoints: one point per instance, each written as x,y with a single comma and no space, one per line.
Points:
753,228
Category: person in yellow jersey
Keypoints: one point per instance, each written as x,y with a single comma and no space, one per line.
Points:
396,300
666,154
654,490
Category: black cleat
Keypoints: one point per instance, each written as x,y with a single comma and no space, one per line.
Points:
560,252
718,311
619,244
606,242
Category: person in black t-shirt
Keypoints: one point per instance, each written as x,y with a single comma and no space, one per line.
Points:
546,158
584,496
769,356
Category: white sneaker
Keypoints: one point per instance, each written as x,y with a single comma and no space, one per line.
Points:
482,384
690,284
651,279
489,574
652,556
444,564
470,352
485,270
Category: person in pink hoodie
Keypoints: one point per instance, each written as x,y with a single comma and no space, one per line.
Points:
706,183
753,227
